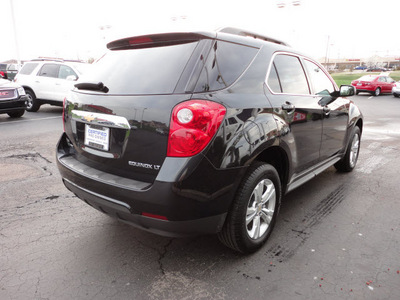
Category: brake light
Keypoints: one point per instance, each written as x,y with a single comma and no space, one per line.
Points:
193,125
63,114
153,216
140,40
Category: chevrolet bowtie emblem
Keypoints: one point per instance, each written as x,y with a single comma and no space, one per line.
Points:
89,118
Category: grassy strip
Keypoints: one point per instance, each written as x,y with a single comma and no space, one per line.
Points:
347,78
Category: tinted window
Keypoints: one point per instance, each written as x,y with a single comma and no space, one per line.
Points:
320,81
225,63
273,80
153,70
49,70
28,68
291,75
367,78
382,79
65,71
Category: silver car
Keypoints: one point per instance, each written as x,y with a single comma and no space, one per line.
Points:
396,89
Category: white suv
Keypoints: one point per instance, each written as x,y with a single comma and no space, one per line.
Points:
48,81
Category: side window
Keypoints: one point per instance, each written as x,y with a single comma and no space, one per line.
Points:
273,80
320,81
65,71
225,63
382,79
27,68
49,70
290,74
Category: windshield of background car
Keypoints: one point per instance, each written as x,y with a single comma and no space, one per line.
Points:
154,70
367,78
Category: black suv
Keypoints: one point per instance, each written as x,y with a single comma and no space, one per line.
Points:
202,133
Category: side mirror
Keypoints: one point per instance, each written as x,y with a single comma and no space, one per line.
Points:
72,78
347,90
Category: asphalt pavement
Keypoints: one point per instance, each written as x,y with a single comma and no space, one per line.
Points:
337,236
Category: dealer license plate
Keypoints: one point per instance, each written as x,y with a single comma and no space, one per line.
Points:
97,137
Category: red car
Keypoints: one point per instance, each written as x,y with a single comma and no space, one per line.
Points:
374,84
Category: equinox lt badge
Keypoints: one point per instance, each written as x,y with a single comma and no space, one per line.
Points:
143,165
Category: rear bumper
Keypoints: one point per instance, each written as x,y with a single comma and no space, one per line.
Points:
364,89
192,204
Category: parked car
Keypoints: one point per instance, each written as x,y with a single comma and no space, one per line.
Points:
13,100
396,89
246,120
360,68
374,84
48,81
376,69
12,70
3,71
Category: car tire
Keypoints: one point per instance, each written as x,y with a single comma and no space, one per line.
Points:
349,160
396,95
16,114
254,210
33,104
377,92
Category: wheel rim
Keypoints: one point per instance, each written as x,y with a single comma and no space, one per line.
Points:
260,209
355,146
30,101
377,92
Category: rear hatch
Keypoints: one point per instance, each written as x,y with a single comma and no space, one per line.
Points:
119,115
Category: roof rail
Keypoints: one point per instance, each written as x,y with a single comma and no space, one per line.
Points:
56,59
47,59
247,33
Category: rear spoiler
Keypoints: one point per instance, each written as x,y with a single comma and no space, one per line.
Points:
157,40
242,32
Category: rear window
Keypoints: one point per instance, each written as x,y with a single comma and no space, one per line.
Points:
153,70
225,63
367,78
28,68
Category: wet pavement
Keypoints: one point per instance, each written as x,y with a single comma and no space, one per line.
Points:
337,237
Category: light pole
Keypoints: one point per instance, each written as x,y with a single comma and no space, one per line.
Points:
15,32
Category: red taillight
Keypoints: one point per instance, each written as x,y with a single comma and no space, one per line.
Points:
193,125
140,40
154,216
63,114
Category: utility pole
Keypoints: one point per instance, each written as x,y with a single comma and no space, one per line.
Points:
326,54
15,32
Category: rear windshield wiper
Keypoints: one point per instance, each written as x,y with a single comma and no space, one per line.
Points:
91,86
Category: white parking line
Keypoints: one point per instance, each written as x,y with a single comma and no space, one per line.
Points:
28,120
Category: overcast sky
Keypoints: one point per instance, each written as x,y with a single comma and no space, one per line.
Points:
80,29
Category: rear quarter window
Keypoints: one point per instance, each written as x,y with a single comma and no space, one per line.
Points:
225,63
28,68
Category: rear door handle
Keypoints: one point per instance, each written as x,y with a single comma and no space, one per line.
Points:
288,107
326,110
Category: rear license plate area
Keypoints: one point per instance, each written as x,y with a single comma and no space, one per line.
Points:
97,137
